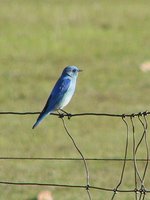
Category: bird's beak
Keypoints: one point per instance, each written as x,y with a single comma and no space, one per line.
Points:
80,70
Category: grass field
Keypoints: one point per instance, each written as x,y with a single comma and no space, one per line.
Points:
109,41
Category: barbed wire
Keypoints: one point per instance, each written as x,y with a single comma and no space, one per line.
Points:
139,186
78,114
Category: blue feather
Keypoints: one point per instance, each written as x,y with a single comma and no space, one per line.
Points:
54,99
61,93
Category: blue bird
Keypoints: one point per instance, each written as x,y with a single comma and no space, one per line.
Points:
61,93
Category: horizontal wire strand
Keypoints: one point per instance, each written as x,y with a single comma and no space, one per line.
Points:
70,186
72,159
78,114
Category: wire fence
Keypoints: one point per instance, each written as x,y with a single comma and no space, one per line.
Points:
139,189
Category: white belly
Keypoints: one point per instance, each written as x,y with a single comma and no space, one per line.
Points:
67,96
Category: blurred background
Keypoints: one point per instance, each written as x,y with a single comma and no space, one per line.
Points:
38,38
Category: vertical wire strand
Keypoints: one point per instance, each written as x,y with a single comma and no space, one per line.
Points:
136,150
145,125
144,196
144,136
84,161
140,197
125,157
134,157
147,147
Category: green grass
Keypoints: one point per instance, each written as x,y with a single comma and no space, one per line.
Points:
109,41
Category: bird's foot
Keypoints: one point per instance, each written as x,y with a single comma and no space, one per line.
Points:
61,115
66,113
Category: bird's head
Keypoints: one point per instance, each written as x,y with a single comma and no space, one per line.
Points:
71,71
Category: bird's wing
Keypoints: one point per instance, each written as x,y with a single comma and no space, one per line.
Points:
54,99
57,93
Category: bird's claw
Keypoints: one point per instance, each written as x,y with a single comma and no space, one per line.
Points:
69,116
61,115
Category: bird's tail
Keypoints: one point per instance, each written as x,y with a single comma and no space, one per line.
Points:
39,120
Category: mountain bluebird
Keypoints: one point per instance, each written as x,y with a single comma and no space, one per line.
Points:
61,93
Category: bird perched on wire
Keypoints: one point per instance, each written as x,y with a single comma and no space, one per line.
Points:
61,93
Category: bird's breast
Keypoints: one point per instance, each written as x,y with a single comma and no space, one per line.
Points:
68,95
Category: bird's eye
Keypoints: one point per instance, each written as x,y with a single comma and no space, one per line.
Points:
74,70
